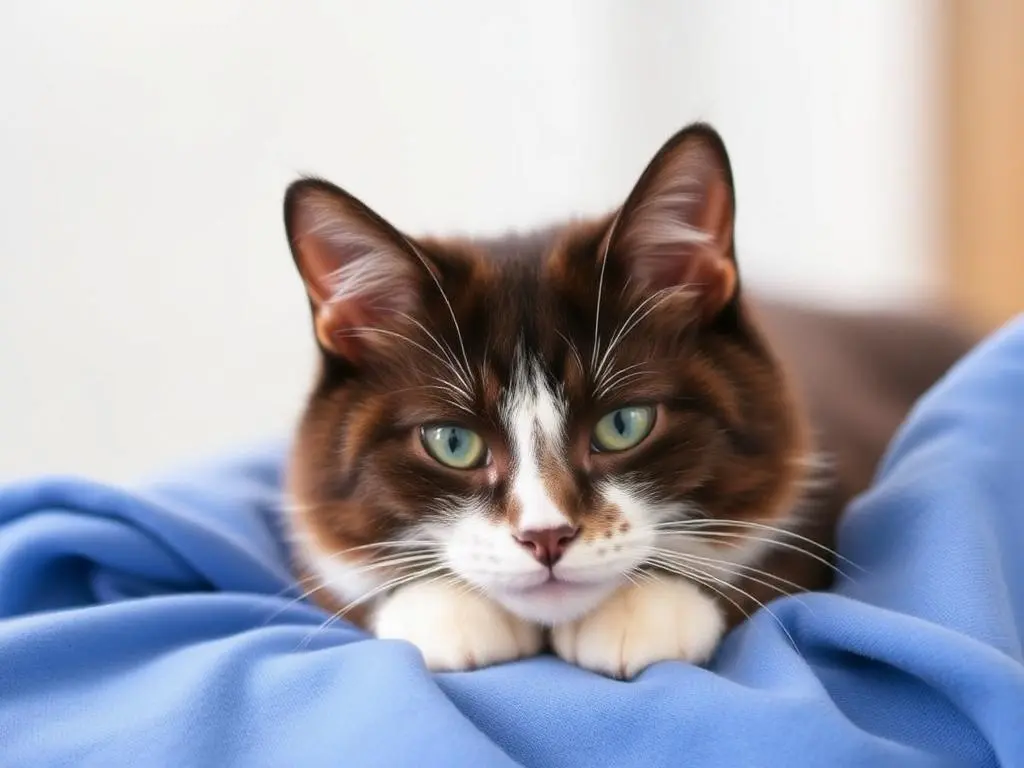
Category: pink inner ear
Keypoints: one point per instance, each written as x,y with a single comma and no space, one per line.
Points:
356,271
676,228
373,289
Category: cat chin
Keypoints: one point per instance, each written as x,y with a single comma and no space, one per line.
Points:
554,602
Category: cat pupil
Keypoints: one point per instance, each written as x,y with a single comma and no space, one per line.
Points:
453,441
620,422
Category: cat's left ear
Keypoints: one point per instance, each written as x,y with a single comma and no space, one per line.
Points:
676,227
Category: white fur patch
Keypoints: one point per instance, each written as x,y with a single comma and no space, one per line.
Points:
534,417
347,579
455,629
643,514
485,554
642,624
631,504
555,603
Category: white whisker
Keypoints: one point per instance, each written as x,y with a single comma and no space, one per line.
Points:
575,352
705,578
617,334
403,561
293,601
763,539
742,571
421,543
613,380
655,300
600,287
444,296
360,329
712,523
694,576
387,586
444,348
620,381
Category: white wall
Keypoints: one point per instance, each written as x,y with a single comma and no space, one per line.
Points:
148,307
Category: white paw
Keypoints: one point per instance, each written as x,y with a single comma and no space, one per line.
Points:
640,624
454,629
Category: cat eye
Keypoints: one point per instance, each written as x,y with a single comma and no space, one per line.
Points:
623,428
454,446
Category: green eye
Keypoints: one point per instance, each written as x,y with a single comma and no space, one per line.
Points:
623,428
454,446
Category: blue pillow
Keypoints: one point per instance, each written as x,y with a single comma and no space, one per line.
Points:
159,627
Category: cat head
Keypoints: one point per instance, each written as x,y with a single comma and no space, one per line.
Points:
537,417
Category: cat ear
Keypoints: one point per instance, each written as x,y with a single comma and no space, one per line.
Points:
676,227
359,271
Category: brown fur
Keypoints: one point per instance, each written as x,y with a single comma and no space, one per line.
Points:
731,435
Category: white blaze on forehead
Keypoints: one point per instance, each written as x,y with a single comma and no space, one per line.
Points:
534,416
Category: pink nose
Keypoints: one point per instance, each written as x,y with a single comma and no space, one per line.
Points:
547,544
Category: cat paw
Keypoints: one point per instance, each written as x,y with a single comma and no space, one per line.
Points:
641,624
455,630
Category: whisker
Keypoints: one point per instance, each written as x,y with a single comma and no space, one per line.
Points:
575,352
628,368
463,396
404,562
600,287
392,562
697,574
360,329
712,523
293,601
440,388
616,334
729,569
764,540
444,348
451,387
465,587
388,585
614,379
391,584
444,296
425,543
633,577
740,569
297,583
654,301
619,382
694,576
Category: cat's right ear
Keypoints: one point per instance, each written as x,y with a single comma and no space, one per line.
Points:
361,274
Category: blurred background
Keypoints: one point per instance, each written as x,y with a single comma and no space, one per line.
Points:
149,310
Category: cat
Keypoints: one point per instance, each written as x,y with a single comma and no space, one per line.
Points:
581,439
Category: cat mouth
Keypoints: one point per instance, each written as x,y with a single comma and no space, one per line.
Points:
549,586
552,599
550,583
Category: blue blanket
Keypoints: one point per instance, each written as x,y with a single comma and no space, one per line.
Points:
157,628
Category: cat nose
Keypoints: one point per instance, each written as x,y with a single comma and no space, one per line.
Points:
547,544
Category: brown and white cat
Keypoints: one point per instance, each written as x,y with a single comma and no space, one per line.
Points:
580,437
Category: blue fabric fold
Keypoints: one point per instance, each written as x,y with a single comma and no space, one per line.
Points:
160,627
